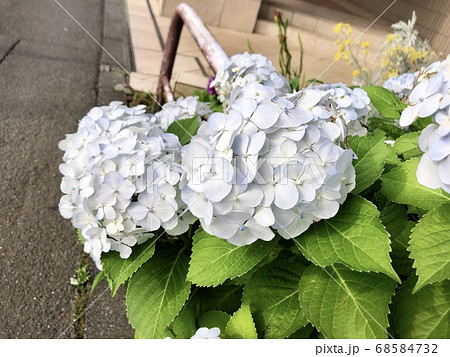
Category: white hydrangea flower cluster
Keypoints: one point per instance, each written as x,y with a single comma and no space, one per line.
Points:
401,85
120,175
242,69
265,162
182,108
431,97
338,110
204,333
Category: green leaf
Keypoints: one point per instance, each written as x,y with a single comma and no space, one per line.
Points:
272,294
386,102
303,332
294,82
395,219
224,298
80,237
342,303
118,270
425,314
400,185
214,260
407,145
185,129
241,325
387,125
244,279
421,124
99,277
157,292
183,326
372,153
430,247
355,237
212,319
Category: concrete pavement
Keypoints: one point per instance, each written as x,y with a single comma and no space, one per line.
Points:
49,69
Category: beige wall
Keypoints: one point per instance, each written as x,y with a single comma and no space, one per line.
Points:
239,15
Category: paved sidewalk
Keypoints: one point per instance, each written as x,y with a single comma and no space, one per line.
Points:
50,78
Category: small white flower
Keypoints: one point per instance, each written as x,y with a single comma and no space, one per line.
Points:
150,210
207,333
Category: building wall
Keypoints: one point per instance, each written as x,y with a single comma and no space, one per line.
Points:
239,15
433,16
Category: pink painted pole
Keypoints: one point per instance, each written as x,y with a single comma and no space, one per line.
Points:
211,49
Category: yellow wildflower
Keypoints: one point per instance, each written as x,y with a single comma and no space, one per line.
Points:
347,29
365,44
356,73
338,27
390,38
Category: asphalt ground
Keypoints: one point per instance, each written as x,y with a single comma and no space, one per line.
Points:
50,77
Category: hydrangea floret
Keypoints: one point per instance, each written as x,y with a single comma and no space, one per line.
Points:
120,179
266,162
182,108
431,97
401,85
204,333
242,69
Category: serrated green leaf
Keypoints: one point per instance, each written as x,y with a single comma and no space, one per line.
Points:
157,292
430,247
224,298
185,129
272,294
244,279
372,153
355,237
425,314
407,145
394,218
215,318
386,102
166,334
419,212
118,270
183,326
214,260
98,278
400,185
241,325
342,303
